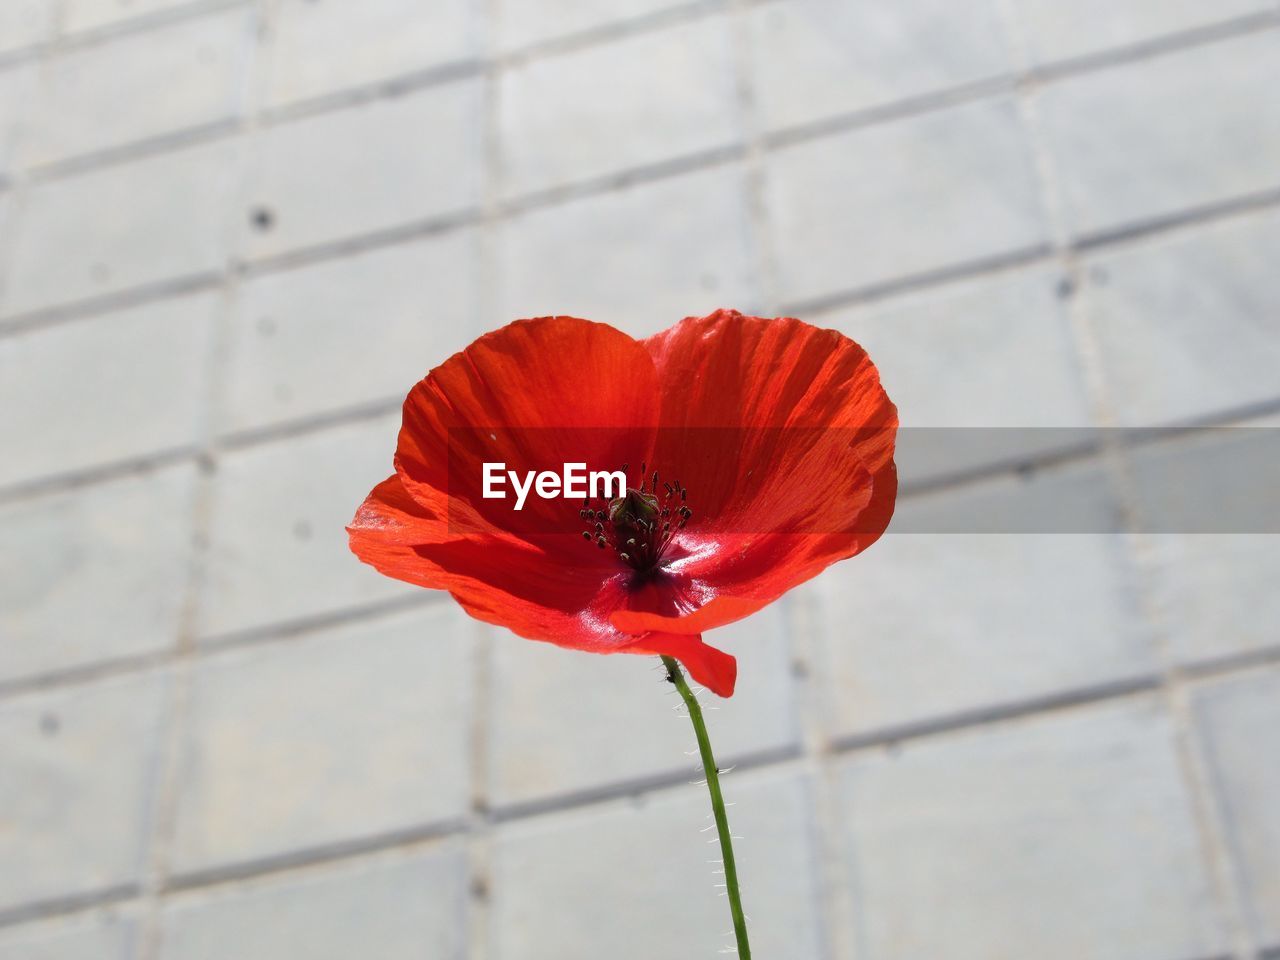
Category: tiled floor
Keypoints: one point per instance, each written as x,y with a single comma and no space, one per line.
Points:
233,232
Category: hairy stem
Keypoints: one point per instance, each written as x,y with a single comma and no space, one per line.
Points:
717,804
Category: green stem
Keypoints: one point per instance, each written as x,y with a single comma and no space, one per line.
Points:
717,804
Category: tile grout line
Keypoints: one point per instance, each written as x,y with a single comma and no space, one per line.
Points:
1126,237
819,759
448,72
1216,855
799,619
42,316
176,732
478,879
784,759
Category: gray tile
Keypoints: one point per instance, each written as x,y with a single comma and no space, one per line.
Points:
82,15
1190,324
614,106
906,197
347,332
1210,509
321,48
402,907
1060,837
523,23
819,58
18,86
105,95
75,788
1217,592
278,547
952,358
334,738
1010,618
108,936
633,879
1072,497
155,219
1239,716
1148,139
683,241
1059,31
25,23
94,574
105,389
368,168
1217,481
613,720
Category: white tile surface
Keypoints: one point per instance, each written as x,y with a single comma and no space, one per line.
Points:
902,198
1239,716
523,23
1060,837
94,574
25,23
1061,31
400,908
278,547
633,880
106,389
18,88
372,739
337,175
1148,139
155,219
76,788
1190,324
1011,617
981,371
685,241
82,15
319,48
341,333
110,937
636,101
819,58
614,720
141,86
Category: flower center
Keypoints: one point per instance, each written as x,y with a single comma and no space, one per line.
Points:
639,524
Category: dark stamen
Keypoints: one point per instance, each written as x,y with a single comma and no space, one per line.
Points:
638,525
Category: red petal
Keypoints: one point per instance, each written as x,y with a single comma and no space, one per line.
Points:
534,395
714,669
784,438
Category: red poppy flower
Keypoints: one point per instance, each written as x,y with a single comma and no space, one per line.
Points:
757,452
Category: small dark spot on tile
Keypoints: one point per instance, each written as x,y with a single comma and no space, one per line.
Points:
206,464
799,669
479,888
262,218
50,724
1066,288
302,530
